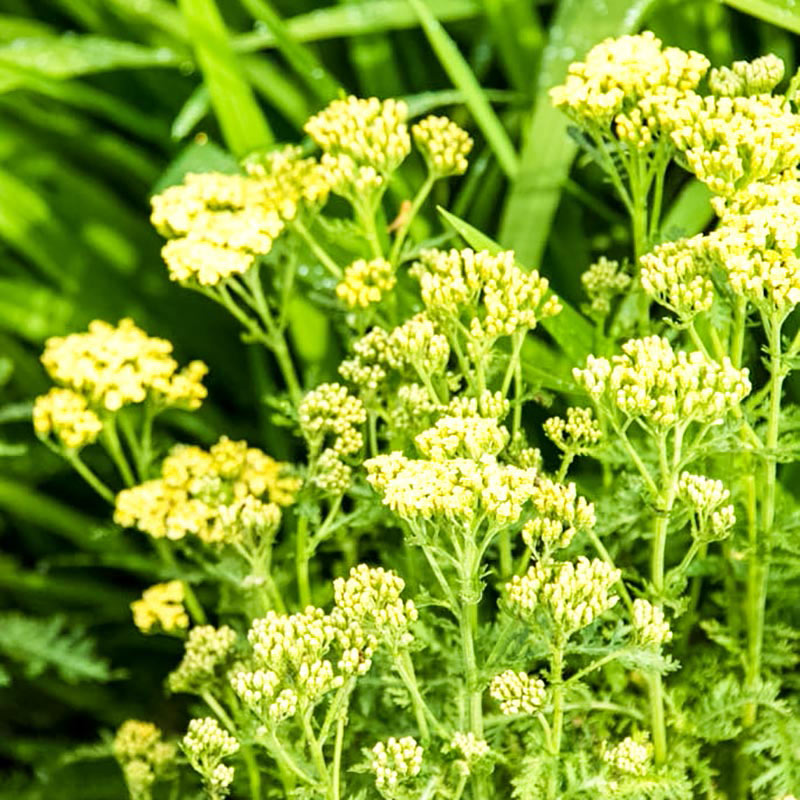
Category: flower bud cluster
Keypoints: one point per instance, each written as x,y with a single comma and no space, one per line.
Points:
467,437
418,344
575,434
370,597
444,145
650,626
707,498
490,405
730,142
207,653
490,294
518,692
395,761
143,756
617,75
115,366
330,410
562,513
365,282
678,275
205,493
206,744
471,748
759,76
67,415
652,381
161,605
632,756
573,595
369,366
602,282
364,141
457,488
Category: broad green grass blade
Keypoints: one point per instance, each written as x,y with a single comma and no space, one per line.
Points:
243,124
783,13
278,87
304,62
548,151
457,68
571,331
376,16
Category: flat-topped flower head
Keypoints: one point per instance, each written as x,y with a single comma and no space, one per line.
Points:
562,513
207,654
371,132
117,366
678,275
518,692
66,415
617,73
444,145
664,387
649,624
571,594
395,761
487,292
759,76
205,493
467,437
364,282
161,606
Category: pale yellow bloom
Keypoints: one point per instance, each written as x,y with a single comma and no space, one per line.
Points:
518,692
759,76
632,756
161,605
365,282
444,145
649,623
395,761
66,414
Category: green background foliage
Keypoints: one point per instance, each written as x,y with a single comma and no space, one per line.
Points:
104,101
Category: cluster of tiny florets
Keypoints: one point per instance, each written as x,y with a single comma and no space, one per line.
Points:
395,761
207,652
471,748
707,498
467,437
142,755
575,434
115,366
678,275
602,282
650,625
67,415
632,756
572,594
759,76
652,381
444,145
365,282
204,492
161,606
562,513
518,692
487,292
206,744
418,344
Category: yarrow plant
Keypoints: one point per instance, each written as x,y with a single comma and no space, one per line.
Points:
443,591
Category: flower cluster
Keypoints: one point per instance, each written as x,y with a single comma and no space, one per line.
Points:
471,748
571,594
575,434
467,437
161,605
619,78
418,344
116,366
457,488
395,761
197,489
444,145
649,624
206,744
730,142
562,513
652,381
678,275
363,142
707,499
518,692
632,756
489,293
602,282
759,76
365,282
207,653
67,415
143,755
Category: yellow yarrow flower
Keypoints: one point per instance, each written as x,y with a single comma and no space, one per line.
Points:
365,282
444,145
161,605
67,415
115,366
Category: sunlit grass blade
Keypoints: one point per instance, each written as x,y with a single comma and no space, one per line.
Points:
243,124
548,150
457,68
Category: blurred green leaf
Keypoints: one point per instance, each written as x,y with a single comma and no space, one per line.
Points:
783,13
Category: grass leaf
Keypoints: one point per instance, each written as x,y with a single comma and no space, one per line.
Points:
782,13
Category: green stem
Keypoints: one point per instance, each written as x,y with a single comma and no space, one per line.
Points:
405,668
316,249
301,546
557,682
416,204
317,756
113,446
337,759
80,467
